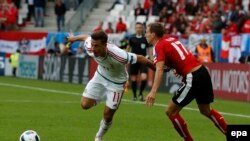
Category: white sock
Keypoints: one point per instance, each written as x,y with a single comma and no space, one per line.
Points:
104,126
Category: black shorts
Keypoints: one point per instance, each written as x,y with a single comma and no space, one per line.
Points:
135,69
197,86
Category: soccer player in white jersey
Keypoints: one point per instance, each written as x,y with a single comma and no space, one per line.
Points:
110,76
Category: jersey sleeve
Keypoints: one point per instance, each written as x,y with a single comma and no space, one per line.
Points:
88,48
121,55
158,53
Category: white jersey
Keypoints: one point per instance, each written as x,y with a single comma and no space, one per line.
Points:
112,66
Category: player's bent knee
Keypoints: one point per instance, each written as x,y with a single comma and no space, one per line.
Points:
205,109
87,103
85,106
169,112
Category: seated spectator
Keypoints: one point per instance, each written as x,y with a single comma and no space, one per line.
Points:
153,10
231,28
217,24
109,29
246,26
181,23
139,10
99,27
232,13
206,10
160,4
170,6
206,24
240,11
121,26
181,8
174,31
146,6
196,23
163,13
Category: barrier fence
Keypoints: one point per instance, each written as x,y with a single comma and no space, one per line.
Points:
230,81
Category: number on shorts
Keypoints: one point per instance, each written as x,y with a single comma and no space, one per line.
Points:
180,48
116,97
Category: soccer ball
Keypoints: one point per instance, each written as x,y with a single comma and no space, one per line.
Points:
29,135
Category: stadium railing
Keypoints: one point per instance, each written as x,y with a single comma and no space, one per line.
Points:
80,15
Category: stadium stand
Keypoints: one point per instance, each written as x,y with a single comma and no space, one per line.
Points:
186,16
14,19
49,18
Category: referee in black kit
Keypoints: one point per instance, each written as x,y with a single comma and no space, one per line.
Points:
138,45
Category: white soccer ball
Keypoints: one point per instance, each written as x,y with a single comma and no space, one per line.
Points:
29,135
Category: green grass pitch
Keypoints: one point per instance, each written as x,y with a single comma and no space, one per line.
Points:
53,110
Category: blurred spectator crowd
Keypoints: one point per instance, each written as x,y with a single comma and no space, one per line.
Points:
17,13
8,14
184,17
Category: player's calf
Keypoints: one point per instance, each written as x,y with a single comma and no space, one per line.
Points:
218,120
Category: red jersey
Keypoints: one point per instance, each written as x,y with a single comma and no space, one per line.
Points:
175,55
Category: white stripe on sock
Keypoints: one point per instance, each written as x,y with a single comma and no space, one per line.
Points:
180,127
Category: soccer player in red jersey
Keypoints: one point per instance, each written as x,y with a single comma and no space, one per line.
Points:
169,52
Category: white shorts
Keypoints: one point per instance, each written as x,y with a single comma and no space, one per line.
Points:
101,89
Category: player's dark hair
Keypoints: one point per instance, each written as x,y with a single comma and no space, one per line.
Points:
100,35
156,28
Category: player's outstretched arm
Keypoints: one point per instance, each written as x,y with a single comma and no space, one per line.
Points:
150,98
143,60
72,38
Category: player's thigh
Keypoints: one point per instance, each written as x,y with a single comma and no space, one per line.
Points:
203,87
185,94
114,95
94,90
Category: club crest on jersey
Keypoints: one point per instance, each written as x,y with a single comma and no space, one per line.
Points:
143,46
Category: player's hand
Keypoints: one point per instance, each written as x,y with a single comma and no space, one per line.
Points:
150,99
70,35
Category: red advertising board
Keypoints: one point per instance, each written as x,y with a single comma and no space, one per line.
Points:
230,81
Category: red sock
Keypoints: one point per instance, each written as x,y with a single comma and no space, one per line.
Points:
181,126
218,120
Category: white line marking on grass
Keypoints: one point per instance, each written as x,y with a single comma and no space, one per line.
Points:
39,89
188,108
35,101
125,100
